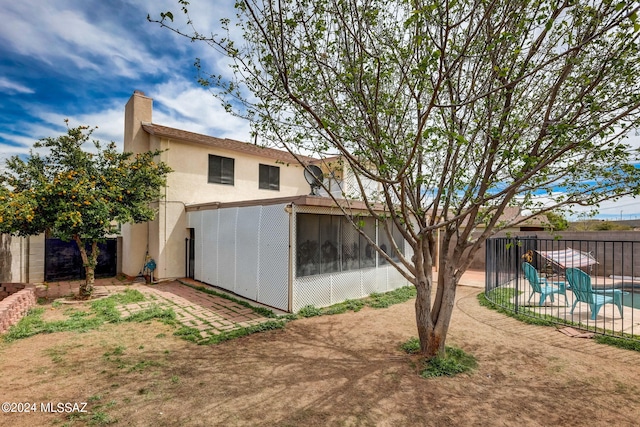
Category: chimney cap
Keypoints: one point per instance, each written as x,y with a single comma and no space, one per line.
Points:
138,92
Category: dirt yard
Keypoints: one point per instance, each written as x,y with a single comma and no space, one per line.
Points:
341,370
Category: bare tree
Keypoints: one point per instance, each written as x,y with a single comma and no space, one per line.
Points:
458,109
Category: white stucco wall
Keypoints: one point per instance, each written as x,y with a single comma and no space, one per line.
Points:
190,163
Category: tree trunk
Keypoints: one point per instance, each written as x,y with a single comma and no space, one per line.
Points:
430,343
433,322
89,261
433,319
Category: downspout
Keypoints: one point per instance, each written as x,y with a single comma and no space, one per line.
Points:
290,209
164,233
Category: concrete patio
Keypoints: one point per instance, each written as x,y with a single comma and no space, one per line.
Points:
608,317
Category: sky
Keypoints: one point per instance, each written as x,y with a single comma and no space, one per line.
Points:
82,59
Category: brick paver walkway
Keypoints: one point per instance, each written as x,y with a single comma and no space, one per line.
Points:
209,314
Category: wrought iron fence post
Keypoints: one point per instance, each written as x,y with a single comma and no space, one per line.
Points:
517,287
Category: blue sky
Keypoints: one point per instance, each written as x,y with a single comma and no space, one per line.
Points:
82,60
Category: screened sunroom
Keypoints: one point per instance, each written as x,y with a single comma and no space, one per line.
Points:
288,253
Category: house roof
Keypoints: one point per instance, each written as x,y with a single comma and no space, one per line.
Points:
226,144
310,200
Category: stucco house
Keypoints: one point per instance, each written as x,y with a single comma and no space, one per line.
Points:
239,216
205,169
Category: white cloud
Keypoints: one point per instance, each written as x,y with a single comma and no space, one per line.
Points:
205,19
55,34
624,208
109,123
9,86
177,103
189,107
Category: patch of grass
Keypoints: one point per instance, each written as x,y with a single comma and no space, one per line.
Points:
454,362
75,416
155,312
101,418
29,325
69,311
56,354
343,307
412,346
524,315
374,300
265,312
504,294
144,364
388,299
118,351
310,311
624,343
237,333
33,324
100,312
189,334
193,335
106,307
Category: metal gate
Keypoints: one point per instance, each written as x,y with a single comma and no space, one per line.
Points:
63,260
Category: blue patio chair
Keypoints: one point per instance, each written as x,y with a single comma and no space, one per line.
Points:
580,284
540,285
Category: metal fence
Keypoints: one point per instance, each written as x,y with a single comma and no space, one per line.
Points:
605,300
63,260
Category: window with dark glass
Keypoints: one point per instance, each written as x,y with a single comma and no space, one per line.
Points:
220,170
269,177
385,243
329,243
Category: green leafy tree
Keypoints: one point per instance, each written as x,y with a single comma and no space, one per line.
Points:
456,109
78,195
557,222
610,225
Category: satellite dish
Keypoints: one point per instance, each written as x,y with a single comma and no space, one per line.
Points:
314,176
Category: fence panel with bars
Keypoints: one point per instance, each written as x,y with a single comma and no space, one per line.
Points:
587,284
